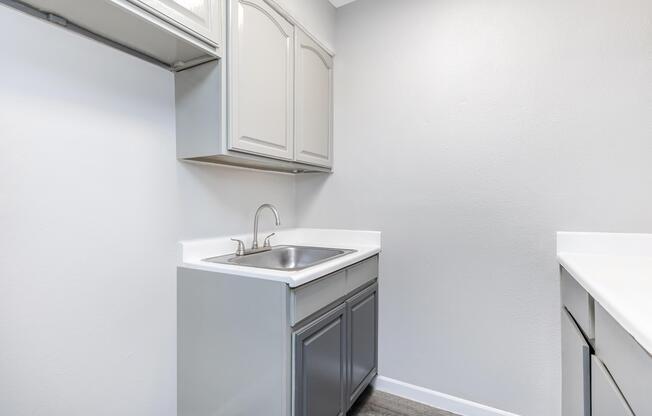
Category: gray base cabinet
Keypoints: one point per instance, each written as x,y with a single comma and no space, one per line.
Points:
336,356
258,347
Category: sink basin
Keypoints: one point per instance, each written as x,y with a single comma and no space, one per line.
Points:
286,258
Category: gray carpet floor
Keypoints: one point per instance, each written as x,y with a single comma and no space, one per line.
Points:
378,403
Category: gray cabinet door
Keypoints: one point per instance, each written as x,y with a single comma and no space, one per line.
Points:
606,399
320,366
576,370
362,312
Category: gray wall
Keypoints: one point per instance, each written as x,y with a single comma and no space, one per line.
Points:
318,16
469,132
92,205
215,200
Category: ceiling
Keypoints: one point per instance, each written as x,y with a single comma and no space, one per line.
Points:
340,3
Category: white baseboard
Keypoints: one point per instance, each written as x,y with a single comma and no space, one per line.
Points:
436,399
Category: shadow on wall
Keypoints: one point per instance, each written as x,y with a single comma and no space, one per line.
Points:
314,183
217,200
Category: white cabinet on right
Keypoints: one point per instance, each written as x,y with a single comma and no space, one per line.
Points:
605,371
314,102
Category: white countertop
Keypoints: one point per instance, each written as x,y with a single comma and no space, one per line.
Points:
616,270
366,244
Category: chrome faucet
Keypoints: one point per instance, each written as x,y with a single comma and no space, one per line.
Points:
254,245
242,251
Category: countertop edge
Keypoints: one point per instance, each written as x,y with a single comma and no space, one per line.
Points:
292,279
645,341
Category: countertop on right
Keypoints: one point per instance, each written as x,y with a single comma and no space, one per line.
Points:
616,270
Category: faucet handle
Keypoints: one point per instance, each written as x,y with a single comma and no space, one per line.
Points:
241,247
267,242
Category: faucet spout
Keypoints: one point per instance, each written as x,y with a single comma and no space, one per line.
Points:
271,207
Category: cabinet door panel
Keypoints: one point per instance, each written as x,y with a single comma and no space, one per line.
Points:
606,398
261,80
203,17
576,370
314,106
362,311
629,364
319,366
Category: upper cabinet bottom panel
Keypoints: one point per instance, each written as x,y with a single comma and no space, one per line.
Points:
144,28
204,18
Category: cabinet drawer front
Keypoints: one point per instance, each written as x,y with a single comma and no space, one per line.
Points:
576,369
629,364
361,273
308,299
606,399
579,303
312,297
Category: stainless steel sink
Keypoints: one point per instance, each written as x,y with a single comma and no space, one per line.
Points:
287,258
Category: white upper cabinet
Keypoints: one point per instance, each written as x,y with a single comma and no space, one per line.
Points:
314,103
261,80
267,104
201,17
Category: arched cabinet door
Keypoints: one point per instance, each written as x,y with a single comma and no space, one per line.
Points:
261,80
314,103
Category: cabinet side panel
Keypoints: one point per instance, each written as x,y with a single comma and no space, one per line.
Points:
198,97
233,345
